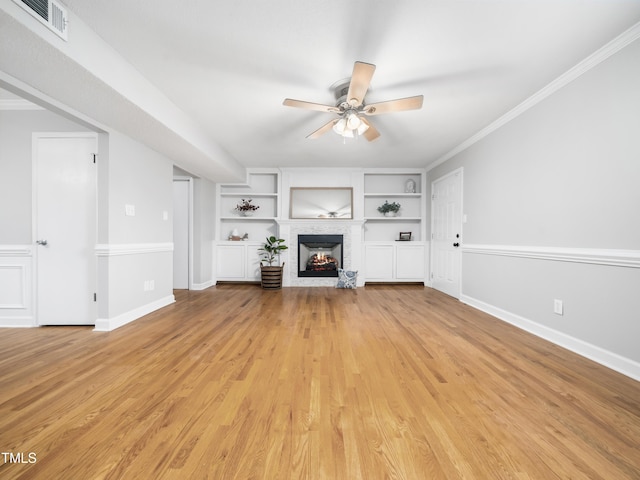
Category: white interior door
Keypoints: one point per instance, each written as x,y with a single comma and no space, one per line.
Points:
446,230
65,228
181,202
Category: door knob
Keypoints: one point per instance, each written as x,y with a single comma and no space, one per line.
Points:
42,242
456,244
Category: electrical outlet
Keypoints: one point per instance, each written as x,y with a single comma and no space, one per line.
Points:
558,307
130,210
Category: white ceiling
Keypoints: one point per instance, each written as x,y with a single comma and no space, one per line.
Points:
229,65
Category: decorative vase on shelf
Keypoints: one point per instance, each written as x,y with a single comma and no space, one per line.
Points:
410,186
245,208
390,214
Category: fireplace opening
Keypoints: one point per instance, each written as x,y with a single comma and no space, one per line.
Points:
319,255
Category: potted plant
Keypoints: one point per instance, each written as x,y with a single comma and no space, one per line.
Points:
245,207
389,209
271,274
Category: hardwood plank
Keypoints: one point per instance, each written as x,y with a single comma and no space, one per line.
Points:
319,383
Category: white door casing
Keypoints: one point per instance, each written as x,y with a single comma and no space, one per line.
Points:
446,233
65,228
181,233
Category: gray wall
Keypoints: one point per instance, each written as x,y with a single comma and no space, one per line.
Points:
138,176
16,164
563,174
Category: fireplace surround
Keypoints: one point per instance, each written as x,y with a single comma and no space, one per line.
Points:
351,231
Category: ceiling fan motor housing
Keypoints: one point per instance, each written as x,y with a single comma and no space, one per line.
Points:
340,90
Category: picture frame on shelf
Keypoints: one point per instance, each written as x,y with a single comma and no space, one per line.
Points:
405,237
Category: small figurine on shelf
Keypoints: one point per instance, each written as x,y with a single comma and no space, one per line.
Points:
389,209
235,235
246,208
245,237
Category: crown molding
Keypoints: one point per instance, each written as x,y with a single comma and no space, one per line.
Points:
600,55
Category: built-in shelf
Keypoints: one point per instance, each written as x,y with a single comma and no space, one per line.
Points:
391,185
415,195
248,194
393,219
240,260
248,219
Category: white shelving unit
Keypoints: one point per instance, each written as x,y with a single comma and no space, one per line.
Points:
239,260
385,258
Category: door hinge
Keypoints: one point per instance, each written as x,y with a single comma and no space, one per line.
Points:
95,297
95,156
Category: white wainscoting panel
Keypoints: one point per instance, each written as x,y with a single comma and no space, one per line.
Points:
16,286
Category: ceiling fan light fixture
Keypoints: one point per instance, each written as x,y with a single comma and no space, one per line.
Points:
353,121
340,126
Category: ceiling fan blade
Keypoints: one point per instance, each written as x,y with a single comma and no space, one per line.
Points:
399,105
322,130
371,133
360,81
289,102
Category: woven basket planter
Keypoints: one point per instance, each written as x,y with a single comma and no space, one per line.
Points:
271,277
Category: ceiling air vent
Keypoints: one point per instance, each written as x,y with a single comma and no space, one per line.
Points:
49,12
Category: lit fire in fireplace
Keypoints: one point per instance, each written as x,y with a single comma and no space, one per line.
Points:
321,262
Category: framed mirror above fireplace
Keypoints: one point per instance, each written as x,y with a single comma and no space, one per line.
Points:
321,203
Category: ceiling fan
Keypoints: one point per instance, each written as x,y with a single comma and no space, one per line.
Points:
351,108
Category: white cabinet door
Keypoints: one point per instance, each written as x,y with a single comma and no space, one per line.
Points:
253,262
231,262
378,262
410,262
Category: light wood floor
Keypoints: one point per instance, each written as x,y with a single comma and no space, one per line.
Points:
235,382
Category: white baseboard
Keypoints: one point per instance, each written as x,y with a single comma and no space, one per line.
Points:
109,324
620,364
202,286
18,322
